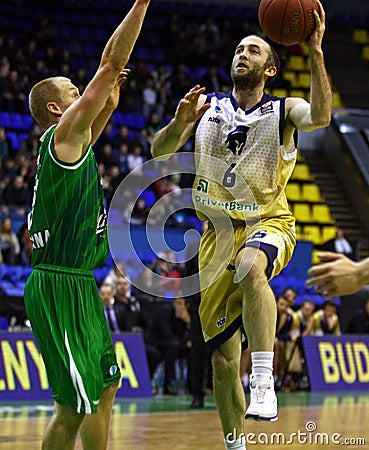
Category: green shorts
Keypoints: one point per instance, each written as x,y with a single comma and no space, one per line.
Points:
69,324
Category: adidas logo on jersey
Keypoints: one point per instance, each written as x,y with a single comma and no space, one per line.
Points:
214,119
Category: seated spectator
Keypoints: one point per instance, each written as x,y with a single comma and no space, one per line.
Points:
153,123
106,155
359,322
290,294
326,321
169,275
283,335
14,92
122,159
5,144
340,244
16,197
303,319
149,97
136,213
121,138
139,212
9,244
169,333
118,270
295,375
143,288
106,295
135,159
162,185
130,318
25,246
213,80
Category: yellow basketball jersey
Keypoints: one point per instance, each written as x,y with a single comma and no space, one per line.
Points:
242,166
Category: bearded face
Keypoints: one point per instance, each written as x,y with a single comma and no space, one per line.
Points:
246,76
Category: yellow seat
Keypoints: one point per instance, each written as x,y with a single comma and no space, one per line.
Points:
303,80
311,192
322,214
337,102
302,212
360,36
301,172
279,92
296,62
312,233
299,233
299,93
290,75
328,233
315,259
365,52
293,192
299,157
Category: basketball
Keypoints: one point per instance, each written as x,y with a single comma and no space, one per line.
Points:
287,22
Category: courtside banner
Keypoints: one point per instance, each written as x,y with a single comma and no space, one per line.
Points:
337,363
23,375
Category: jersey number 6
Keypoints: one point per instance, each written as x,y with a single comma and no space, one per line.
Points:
229,179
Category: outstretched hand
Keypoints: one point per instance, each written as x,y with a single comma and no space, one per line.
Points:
189,109
338,275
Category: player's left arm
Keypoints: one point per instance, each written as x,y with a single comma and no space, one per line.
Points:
317,114
110,105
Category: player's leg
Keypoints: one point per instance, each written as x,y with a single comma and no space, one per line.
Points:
228,392
259,311
259,315
61,432
94,430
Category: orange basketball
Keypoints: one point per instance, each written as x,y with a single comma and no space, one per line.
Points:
287,22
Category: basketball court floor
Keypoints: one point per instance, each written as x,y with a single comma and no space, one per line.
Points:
306,420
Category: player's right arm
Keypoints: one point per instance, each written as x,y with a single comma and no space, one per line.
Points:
73,133
174,135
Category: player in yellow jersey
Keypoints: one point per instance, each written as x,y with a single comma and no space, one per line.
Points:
245,153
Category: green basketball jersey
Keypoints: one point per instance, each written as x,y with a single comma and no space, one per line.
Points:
67,223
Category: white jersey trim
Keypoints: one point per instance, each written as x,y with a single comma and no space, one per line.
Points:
77,381
60,164
288,156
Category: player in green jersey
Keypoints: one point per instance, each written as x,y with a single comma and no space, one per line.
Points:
67,226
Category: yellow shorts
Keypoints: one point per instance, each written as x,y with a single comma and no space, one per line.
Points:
221,298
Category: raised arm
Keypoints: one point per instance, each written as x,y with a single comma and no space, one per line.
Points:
170,138
317,114
74,130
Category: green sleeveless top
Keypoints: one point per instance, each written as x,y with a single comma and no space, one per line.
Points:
67,223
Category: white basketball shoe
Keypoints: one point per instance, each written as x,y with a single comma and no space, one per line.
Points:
263,401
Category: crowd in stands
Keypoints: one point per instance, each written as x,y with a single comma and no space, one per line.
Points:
195,49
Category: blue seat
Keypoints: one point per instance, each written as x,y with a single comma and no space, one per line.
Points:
27,121
5,119
4,323
14,139
149,196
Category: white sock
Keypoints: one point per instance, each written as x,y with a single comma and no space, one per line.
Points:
262,362
235,444
245,379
